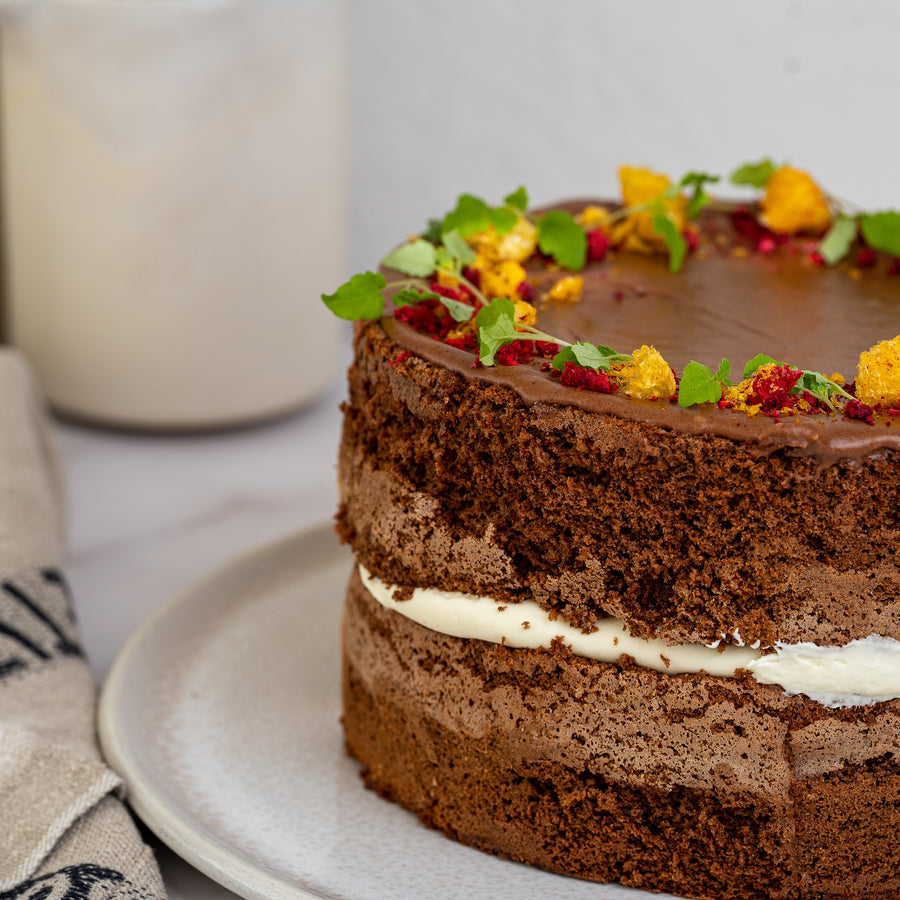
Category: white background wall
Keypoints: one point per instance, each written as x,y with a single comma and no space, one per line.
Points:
446,97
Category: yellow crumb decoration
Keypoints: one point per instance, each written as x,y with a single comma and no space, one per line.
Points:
878,381
566,290
737,396
445,279
648,376
499,278
525,313
593,217
636,231
517,244
793,202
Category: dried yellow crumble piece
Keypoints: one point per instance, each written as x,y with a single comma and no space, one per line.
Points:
648,376
793,202
525,313
566,290
878,381
517,244
636,232
593,217
499,278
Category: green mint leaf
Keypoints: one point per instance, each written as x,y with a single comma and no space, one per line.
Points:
699,385
518,199
459,312
471,215
455,244
754,174
411,297
416,258
499,306
836,244
882,231
359,298
561,237
759,360
504,219
677,245
589,355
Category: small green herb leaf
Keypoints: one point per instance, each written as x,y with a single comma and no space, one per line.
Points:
759,360
471,215
699,385
820,387
561,237
417,258
458,248
723,373
459,312
754,174
589,355
412,296
517,200
433,231
836,244
499,306
699,197
677,245
359,298
504,219
492,337
882,231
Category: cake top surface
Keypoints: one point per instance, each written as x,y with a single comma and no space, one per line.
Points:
772,320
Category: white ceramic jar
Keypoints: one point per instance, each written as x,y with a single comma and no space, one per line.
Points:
172,190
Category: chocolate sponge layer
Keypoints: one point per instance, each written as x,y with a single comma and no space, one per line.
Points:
700,786
451,482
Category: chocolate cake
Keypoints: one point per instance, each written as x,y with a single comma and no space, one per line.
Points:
608,627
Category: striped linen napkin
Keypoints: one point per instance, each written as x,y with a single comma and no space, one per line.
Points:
64,832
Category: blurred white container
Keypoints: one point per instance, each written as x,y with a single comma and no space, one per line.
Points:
173,202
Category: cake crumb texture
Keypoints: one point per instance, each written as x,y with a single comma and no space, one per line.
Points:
458,484
698,786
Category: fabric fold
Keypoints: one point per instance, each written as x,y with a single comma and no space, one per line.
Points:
64,831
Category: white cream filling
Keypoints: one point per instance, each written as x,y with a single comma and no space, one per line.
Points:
859,673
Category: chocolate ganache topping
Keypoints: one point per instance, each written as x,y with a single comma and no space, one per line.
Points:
723,303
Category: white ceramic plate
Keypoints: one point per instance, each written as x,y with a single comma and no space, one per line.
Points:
222,713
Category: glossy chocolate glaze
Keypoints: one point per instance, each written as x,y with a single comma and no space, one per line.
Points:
719,305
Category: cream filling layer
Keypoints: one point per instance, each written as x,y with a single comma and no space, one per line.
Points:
859,673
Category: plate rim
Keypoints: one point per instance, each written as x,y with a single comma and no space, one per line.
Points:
195,846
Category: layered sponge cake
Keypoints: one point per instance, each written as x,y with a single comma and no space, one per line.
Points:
634,614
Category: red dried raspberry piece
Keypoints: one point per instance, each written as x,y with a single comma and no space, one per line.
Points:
856,409
771,388
585,379
525,290
466,342
866,258
428,316
597,245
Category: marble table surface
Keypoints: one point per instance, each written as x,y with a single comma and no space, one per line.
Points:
150,514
